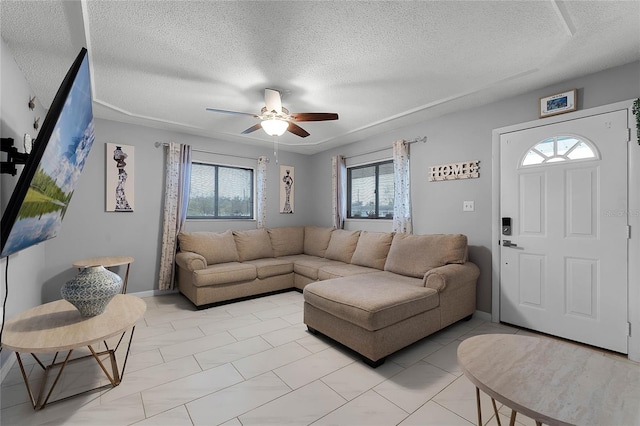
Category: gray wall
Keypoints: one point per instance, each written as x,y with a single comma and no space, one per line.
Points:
89,230
461,136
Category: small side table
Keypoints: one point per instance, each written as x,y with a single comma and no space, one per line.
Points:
107,262
57,326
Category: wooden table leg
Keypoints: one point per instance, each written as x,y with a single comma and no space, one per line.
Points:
512,421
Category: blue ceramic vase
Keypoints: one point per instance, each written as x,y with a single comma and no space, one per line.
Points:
92,290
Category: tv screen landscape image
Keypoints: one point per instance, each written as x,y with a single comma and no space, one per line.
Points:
41,197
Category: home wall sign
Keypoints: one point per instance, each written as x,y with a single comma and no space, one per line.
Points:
454,171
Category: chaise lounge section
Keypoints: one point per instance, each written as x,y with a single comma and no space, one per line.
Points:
374,292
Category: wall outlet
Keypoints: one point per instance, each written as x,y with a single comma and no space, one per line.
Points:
468,206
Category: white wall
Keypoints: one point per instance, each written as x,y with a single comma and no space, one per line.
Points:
25,276
461,136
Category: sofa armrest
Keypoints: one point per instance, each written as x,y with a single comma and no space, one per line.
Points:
451,276
190,261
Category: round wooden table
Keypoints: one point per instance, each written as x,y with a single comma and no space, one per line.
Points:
58,326
551,381
107,262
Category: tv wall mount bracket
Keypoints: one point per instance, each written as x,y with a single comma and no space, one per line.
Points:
13,157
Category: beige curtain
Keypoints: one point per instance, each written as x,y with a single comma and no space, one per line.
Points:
261,192
176,199
402,184
339,187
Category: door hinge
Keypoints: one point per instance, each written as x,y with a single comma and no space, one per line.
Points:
628,232
629,329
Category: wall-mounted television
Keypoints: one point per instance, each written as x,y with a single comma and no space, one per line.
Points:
45,186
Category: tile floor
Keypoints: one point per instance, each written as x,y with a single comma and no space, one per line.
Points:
254,363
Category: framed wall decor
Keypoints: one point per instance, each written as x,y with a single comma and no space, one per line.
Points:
120,178
558,103
287,180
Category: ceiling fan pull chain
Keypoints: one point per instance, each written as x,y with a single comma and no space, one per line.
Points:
275,148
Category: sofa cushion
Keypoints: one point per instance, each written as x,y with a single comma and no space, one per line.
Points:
327,272
309,266
316,240
414,255
253,244
224,273
214,247
372,249
342,245
371,301
270,267
287,240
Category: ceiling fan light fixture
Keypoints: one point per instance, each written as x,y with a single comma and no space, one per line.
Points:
274,126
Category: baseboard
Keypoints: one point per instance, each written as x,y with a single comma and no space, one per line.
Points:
151,293
485,316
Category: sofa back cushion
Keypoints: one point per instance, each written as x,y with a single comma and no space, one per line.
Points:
414,255
214,247
316,240
372,249
342,245
287,240
253,244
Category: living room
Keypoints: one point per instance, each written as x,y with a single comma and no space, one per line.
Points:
461,131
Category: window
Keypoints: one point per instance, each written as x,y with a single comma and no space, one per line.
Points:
370,191
220,192
559,149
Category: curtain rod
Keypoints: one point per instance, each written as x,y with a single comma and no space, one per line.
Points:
412,141
159,144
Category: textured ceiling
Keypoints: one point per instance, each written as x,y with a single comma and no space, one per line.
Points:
379,65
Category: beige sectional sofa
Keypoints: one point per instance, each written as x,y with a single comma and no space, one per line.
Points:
374,292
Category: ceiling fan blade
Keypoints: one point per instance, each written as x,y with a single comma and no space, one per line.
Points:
253,128
297,130
224,111
314,116
272,100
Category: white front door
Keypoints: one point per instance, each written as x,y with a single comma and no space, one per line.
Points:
564,266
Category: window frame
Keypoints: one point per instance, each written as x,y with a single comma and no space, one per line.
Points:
217,167
377,165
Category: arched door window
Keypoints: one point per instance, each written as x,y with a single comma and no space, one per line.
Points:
559,149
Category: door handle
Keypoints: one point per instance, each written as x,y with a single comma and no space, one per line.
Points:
508,243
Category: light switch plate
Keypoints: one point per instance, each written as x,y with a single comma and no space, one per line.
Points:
468,206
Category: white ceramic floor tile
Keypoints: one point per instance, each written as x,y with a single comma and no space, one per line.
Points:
308,369
194,346
285,335
460,398
357,378
175,417
279,311
315,343
236,400
415,352
148,378
300,407
217,392
262,327
414,386
268,360
369,409
221,325
446,358
436,415
231,352
186,389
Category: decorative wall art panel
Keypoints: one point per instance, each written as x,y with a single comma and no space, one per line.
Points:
454,171
286,189
120,177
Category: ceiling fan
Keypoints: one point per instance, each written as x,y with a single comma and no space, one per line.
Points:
276,119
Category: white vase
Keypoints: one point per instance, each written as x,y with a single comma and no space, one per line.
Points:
91,290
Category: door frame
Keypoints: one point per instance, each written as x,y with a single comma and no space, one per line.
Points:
633,194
